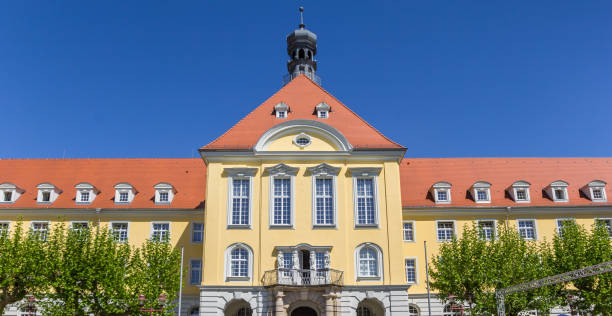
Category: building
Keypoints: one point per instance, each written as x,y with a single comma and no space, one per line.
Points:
302,207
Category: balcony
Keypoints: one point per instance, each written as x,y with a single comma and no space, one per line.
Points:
287,78
299,277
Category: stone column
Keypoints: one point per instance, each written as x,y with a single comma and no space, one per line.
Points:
329,304
279,309
313,266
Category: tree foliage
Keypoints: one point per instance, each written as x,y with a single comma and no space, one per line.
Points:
85,271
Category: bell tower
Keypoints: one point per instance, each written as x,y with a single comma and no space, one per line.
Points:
302,48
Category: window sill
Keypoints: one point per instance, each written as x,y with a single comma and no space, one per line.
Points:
368,278
234,226
231,278
410,241
276,226
324,226
162,203
366,225
83,203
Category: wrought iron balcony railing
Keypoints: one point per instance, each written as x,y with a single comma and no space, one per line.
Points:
288,77
300,277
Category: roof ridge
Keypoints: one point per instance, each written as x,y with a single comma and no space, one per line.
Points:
352,112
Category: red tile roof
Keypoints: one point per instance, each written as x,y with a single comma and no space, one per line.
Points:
302,95
418,176
187,176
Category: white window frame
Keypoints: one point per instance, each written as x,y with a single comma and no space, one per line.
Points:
535,227
299,136
72,223
228,263
322,114
521,185
481,186
239,174
281,171
440,187
558,185
124,187
161,222
85,187
379,263
323,108
366,173
8,227
416,270
413,230
41,222
191,224
454,229
165,188
415,306
562,219
46,188
494,227
281,108
127,237
324,171
191,270
605,219
281,114
596,185
13,189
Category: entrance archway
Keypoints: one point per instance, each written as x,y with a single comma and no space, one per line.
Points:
304,311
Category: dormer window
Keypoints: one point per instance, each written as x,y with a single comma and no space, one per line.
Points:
520,192
482,192
86,193
322,110
557,191
441,192
164,193
124,193
596,191
281,110
9,193
47,193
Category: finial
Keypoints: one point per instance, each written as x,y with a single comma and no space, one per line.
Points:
302,18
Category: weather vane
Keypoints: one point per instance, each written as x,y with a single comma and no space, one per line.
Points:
302,18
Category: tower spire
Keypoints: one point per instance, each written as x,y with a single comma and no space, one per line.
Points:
302,48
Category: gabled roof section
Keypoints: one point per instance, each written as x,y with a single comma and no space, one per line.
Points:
419,174
188,176
302,96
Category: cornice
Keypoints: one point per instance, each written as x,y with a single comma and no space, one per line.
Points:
123,212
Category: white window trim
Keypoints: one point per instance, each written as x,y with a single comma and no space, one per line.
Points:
323,107
494,226
110,225
521,185
47,187
242,174
603,194
281,171
324,171
166,188
161,222
416,270
43,222
191,269
596,219
228,263
454,228
278,115
557,220
15,192
321,115
6,222
379,265
559,184
191,232
302,135
366,173
535,227
413,230
479,186
79,222
442,186
124,187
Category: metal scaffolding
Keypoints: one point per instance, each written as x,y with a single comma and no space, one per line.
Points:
559,278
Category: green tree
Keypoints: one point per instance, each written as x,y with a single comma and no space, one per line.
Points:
576,248
21,255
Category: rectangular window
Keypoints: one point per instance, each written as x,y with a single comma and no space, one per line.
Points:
408,231
560,223
287,264
84,197
46,196
521,195
163,196
195,271
446,231
442,196
320,264
323,114
526,229
324,201
240,201
559,194
281,114
282,201
161,232
120,232
123,196
80,225
4,228
607,223
197,232
411,270
41,229
597,194
366,211
481,195
8,196
487,229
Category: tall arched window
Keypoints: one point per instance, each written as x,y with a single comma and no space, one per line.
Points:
368,261
238,262
413,310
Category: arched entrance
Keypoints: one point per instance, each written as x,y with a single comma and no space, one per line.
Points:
304,311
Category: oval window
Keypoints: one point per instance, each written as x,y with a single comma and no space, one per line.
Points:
302,140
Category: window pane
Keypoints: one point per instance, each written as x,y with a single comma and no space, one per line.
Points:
408,231
240,201
324,208
282,202
365,202
410,271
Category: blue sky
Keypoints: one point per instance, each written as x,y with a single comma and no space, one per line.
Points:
83,79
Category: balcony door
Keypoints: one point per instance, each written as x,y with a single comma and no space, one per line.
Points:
305,266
